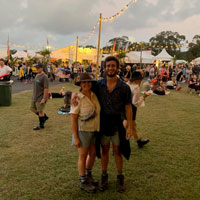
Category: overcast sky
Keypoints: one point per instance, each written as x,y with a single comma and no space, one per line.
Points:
30,22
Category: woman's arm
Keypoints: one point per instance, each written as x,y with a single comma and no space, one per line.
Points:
74,120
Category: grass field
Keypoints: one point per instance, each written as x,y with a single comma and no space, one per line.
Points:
43,165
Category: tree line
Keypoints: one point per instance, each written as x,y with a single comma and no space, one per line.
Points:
173,42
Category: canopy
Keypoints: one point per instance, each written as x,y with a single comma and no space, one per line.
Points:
163,55
104,56
20,54
134,57
83,54
181,62
196,61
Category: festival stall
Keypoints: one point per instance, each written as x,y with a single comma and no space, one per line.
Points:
83,54
163,57
196,61
20,54
139,57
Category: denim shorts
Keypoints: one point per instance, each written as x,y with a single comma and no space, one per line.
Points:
105,140
86,138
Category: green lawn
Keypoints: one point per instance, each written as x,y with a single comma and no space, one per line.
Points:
43,165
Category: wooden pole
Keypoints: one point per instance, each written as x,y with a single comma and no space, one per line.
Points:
141,54
76,57
98,49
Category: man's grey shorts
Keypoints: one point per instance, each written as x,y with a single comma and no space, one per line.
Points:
105,140
86,138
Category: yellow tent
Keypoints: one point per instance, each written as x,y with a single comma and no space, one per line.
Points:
83,54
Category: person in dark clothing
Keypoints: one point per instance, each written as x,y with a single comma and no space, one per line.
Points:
40,95
115,99
179,78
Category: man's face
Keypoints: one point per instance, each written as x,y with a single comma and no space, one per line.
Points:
39,70
111,68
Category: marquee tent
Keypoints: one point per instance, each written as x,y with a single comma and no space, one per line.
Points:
181,62
20,54
164,56
196,61
69,53
134,57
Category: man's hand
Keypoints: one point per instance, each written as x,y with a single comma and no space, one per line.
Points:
74,99
77,142
43,101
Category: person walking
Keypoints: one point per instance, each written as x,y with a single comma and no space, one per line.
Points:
40,96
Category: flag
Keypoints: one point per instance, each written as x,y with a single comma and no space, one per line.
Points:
114,44
47,43
127,45
8,47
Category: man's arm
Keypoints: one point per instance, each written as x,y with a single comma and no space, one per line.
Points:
44,96
129,116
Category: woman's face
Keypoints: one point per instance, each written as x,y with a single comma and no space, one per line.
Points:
86,86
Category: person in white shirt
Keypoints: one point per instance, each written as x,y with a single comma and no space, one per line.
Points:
4,71
137,101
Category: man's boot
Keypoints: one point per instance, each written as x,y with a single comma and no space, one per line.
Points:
120,183
104,183
141,142
45,118
41,125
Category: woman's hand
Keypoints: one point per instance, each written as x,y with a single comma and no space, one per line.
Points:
77,142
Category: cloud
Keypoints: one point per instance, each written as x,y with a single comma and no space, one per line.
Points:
62,20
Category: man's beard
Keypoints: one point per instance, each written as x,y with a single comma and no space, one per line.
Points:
111,75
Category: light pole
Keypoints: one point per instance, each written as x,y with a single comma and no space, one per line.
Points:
98,49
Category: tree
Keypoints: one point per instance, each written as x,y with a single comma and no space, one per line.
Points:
194,48
46,53
167,39
120,42
90,46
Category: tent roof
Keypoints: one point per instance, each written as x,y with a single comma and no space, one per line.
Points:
163,55
134,57
20,54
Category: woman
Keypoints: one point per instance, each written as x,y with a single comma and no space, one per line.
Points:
85,119
137,101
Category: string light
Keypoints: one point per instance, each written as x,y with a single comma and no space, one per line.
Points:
106,19
90,35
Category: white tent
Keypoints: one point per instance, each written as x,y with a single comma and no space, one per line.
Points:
134,57
163,55
104,56
196,61
181,62
20,54
3,53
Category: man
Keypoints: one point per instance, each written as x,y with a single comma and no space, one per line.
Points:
40,95
4,71
114,96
